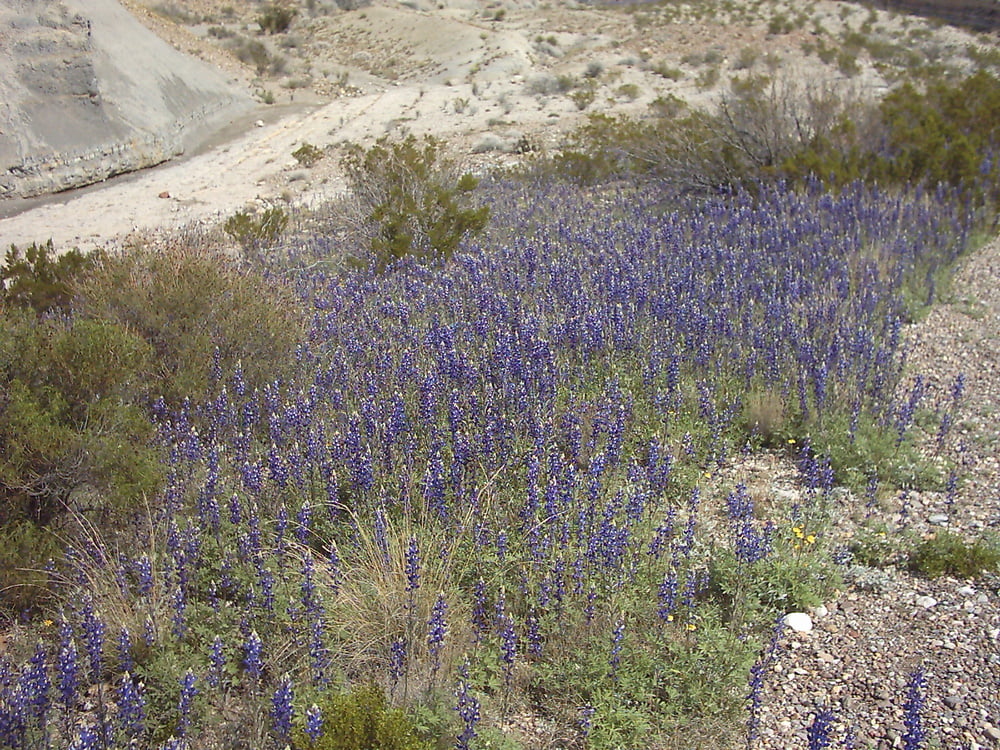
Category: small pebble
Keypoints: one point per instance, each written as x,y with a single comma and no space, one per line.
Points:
925,601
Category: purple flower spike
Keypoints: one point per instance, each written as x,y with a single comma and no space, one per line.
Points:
437,628
913,738
819,733
282,710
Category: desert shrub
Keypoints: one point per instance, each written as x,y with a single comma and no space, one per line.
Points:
276,19
25,550
255,231
200,312
34,278
307,154
360,718
944,134
947,553
769,129
72,436
415,201
253,52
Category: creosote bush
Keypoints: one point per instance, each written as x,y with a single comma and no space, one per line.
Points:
770,129
414,201
308,155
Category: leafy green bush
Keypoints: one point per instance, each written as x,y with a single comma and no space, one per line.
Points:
198,310
947,553
787,580
307,154
38,280
25,549
70,432
253,232
415,201
361,718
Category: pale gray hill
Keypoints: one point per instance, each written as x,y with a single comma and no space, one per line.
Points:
87,92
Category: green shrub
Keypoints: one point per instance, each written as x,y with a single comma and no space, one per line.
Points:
38,280
307,154
25,549
415,201
876,547
73,438
254,232
794,576
360,718
947,553
197,309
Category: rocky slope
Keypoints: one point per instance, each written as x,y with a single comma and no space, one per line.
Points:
86,92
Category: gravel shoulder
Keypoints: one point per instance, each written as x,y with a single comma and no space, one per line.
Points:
857,659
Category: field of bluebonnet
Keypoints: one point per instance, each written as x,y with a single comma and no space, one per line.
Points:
485,507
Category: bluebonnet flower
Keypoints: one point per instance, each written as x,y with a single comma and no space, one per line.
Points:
87,739
467,706
508,645
93,629
667,595
480,623
67,672
819,734
131,706
125,661
189,689
252,661
614,659
437,628
397,660
914,736
177,617
282,709
36,686
144,575
412,566
314,722
758,673
585,719
217,663
319,654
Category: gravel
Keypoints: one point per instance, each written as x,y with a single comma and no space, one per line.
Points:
887,623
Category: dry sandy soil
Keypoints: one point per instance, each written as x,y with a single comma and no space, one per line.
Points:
481,75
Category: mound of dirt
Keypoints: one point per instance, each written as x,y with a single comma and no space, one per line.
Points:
86,92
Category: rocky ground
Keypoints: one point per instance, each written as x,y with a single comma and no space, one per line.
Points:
887,623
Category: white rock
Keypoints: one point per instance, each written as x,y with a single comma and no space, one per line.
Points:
966,591
925,601
259,124
938,519
819,612
800,622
